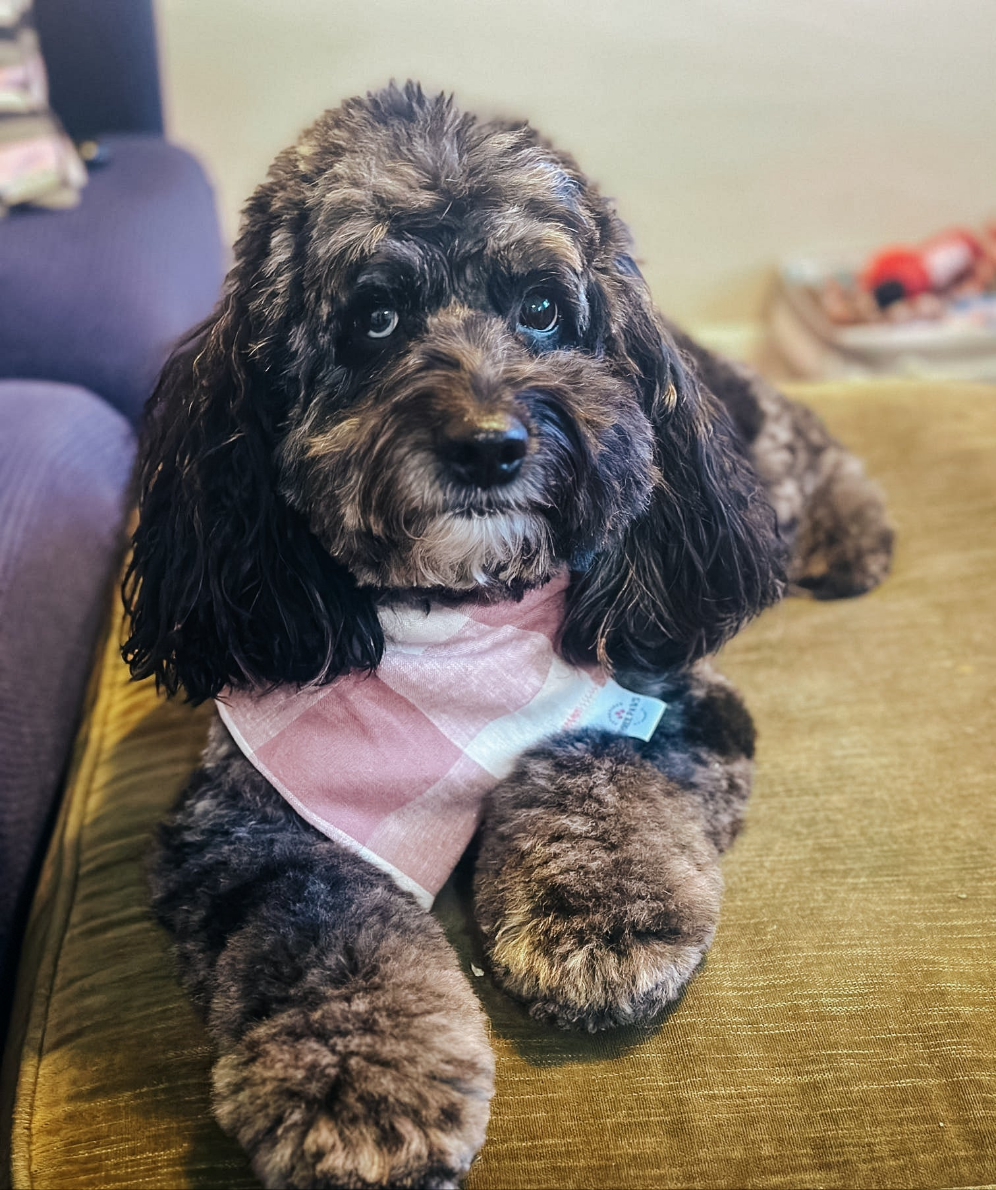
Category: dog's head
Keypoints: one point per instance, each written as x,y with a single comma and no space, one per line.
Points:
435,366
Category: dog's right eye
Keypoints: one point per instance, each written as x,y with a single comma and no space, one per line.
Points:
380,323
539,313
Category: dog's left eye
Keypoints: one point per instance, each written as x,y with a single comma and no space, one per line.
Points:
538,313
380,323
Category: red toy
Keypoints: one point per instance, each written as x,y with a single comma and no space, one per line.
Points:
899,273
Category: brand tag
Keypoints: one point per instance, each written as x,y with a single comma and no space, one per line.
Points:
623,713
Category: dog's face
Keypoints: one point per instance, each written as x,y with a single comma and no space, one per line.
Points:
460,409
435,366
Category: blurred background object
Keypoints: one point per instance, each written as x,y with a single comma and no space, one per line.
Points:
926,310
734,136
38,163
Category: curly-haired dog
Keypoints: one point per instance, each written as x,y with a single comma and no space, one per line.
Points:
436,380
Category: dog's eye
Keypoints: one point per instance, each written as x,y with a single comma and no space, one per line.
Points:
380,323
538,313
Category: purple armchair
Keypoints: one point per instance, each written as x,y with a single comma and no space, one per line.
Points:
90,302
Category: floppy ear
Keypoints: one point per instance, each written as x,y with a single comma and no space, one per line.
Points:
227,585
705,555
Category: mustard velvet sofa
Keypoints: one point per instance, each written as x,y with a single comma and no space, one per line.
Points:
842,1032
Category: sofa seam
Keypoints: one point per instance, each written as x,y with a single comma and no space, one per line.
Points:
92,748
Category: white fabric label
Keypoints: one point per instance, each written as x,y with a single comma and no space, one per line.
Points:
622,712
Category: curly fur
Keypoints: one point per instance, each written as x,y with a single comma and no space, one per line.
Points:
578,828
352,1051
294,477
830,515
289,473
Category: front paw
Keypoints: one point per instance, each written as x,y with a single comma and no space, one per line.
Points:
597,890
384,1085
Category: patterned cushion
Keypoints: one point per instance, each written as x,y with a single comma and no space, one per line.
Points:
38,163
840,1034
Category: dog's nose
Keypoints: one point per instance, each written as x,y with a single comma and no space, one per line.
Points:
489,455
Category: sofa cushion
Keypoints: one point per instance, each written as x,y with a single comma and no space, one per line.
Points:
103,70
65,458
840,1034
96,296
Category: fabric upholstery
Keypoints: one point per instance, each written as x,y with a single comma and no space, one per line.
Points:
840,1034
65,458
97,295
102,65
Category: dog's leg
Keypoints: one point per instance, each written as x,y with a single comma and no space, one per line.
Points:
830,513
352,1051
598,883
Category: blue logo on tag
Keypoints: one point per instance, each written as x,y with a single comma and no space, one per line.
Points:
624,715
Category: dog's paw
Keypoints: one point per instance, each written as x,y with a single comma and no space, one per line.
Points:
386,1085
844,544
597,890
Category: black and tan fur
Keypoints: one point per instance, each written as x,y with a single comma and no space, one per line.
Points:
298,472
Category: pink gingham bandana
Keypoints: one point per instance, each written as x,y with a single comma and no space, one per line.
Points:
395,764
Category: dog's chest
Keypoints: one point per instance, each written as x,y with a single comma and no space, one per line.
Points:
395,764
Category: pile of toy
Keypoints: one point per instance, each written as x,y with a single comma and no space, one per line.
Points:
950,273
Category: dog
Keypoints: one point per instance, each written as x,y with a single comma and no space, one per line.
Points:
436,392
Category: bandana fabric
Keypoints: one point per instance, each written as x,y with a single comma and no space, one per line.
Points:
395,764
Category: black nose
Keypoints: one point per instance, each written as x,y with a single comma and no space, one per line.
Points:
487,457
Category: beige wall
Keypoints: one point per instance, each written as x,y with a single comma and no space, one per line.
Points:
732,132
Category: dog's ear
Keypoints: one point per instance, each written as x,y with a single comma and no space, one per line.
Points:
705,555
227,585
